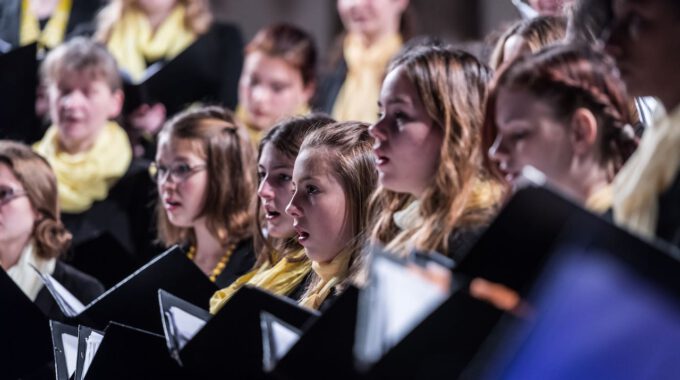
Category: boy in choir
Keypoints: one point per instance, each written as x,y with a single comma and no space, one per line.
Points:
103,193
333,177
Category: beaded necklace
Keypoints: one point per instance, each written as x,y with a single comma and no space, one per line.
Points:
220,265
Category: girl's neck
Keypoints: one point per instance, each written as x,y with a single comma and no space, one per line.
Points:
156,19
207,245
589,183
368,40
10,252
42,9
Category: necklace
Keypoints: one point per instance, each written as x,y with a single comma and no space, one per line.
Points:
220,264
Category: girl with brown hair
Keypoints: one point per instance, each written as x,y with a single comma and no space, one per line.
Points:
566,112
31,232
333,178
433,194
278,78
528,36
281,265
203,171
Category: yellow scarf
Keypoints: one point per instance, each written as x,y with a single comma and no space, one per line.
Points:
600,200
133,42
358,97
54,31
86,177
281,279
330,274
256,134
647,174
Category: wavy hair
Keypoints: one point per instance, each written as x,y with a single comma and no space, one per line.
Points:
452,85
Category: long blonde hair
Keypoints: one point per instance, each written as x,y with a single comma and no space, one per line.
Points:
198,16
452,85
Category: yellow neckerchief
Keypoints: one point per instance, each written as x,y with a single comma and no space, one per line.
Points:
133,42
281,279
330,274
358,97
23,274
647,174
256,134
600,200
409,216
55,29
86,177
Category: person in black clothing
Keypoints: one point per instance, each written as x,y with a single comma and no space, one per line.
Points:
49,22
31,232
203,170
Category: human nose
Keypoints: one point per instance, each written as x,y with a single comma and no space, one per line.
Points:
377,130
292,209
264,190
72,99
497,152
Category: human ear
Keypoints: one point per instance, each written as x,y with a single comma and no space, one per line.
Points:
583,131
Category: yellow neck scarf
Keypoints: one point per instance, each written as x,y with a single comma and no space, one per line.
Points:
358,97
86,177
647,174
54,31
133,42
281,279
600,200
330,274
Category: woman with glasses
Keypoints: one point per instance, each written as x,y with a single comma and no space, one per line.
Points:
203,171
31,232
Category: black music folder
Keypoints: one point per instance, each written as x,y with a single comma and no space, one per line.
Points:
65,345
606,304
124,352
25,346
511,252
18,84
134,301
197,74
324,343
232,338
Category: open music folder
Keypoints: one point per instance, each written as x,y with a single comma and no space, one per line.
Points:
207,345
133,301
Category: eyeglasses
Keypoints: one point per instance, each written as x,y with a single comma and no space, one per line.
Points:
178,172
8,194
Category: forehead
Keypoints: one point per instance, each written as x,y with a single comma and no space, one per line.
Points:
272,157
7,177
398,88
517,104
313,162
264,64
88,76
171,148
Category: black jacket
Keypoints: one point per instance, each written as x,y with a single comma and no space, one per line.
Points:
114,237
83,12
668,222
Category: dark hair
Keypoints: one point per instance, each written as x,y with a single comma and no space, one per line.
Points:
567,78
36,177
229,158
286,137
290,43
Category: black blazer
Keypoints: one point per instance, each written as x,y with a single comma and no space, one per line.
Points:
461,241
85,288
329,88
83,12
668,222
240,263
115,236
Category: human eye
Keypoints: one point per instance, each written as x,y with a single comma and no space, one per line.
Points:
283,177
311,189
5,193
181,169
260,175
279,87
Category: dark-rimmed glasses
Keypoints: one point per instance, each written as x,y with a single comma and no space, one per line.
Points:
177,172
